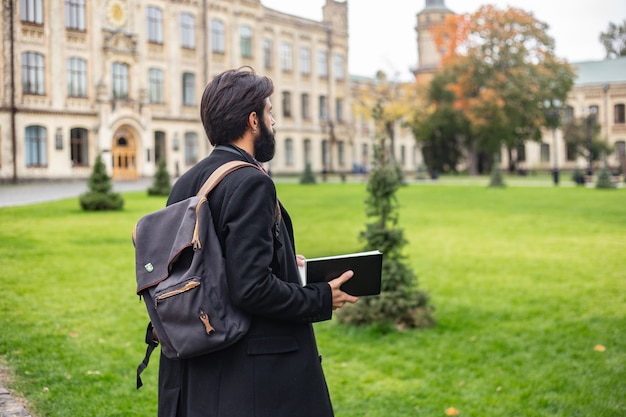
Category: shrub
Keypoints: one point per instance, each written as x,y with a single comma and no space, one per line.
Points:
604,178
578,176
496,179
161,185
308,177
100,195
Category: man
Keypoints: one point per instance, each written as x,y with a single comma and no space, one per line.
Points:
275,370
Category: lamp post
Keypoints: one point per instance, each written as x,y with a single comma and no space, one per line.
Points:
590,124
553,111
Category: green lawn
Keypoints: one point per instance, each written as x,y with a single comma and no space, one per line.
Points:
526,281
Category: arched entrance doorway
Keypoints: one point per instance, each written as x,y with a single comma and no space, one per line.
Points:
124,155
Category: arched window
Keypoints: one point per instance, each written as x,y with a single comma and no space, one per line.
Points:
191,148
289,151
307,151
155,24
187,31
120,80
155,86
620,117
76,77
217,36
245,34
79,147
33,73
36,148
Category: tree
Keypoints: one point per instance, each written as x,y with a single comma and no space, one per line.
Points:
161,185
614,40
400,302
500,66
308,177
581,136
100,195
393,99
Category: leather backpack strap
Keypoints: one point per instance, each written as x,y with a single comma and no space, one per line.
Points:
219,174
225,169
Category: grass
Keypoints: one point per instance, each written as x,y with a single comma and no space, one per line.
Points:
526,282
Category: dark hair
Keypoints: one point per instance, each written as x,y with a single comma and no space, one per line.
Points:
229,99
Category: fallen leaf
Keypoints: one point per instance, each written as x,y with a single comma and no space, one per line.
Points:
74,334
452,411
599,348
499,389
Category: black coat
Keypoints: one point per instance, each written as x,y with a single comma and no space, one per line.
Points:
275,370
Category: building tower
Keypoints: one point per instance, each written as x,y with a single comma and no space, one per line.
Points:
429,58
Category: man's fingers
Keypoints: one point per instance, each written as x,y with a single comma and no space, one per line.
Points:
345,277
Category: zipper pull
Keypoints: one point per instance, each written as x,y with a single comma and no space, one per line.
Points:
204,318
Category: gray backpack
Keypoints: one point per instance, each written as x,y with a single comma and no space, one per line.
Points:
181,276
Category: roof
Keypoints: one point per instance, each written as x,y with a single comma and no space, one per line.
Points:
600,72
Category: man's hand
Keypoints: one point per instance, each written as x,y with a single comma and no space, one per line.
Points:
340,297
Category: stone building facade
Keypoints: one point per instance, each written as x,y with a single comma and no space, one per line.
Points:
123,78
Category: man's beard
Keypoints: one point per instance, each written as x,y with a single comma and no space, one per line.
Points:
265,143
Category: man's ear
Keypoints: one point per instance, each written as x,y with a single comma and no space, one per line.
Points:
253,121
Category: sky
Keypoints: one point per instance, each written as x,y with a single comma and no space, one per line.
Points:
382,33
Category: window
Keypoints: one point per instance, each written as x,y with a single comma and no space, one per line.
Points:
341,153
267,53
305,61
306,108
75,14
187,31
322,64
307,151
286,104
545,152
402,155
325,154
323,108
79,149
339,109
31,11
217,36
286,63
620,150
245,38
189,89
191,148
619,114
155,86
155,24
120,80
36,146
76,77
338,66
159,146
32,73
289,151
570,151
594,110
568,114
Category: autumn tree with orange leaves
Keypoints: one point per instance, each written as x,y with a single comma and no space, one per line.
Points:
499,66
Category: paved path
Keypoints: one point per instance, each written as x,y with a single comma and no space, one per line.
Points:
39,192
10,406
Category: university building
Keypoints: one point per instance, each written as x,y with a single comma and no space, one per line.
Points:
123,78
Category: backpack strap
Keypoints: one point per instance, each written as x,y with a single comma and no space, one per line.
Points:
152,343
225,169
219,174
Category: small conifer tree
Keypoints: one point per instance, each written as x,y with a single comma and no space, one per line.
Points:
496,179
100,195
400,303
308,177
161,185
604,178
